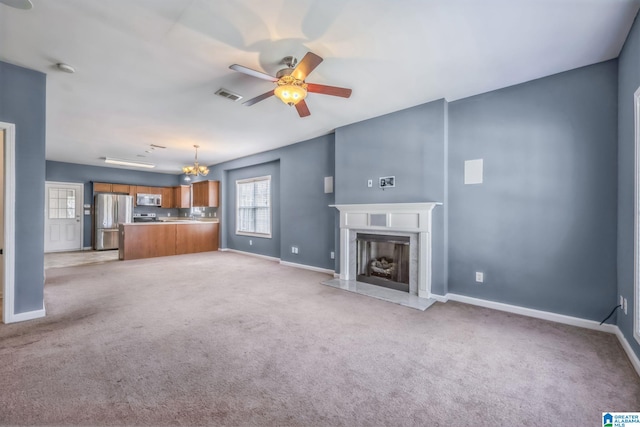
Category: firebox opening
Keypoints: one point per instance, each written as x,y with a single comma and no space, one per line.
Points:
383,260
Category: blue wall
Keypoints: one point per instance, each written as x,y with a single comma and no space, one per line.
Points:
628,83
22,102
71,172
306,220
410,145
542,226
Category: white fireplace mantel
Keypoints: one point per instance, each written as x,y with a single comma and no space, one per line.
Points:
412,218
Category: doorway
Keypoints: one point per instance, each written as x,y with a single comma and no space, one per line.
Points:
63,227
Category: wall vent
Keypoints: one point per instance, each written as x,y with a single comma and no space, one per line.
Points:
228,94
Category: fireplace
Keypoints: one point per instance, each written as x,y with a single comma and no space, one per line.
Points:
363,231
383,260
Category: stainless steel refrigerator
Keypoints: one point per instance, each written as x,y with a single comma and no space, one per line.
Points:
111,210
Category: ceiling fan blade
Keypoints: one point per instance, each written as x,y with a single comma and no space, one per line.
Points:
248,71
302,108
18,4
258,98
329,90
306,66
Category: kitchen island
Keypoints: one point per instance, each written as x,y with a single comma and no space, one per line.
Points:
155,239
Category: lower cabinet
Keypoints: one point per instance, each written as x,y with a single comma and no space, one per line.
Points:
144,240
192,238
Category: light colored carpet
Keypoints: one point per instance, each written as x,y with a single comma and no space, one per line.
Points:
224,339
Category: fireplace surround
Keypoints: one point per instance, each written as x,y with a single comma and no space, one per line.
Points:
410,221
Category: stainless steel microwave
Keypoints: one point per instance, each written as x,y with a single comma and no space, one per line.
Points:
149,199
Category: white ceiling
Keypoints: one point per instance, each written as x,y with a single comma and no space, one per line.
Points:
147,70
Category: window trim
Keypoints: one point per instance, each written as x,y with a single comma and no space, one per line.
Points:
248,233
636,212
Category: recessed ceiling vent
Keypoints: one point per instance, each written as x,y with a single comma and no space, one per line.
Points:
228,94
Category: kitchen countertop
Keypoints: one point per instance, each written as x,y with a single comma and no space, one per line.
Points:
182,221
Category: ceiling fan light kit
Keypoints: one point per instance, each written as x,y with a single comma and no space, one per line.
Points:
290,90
291,87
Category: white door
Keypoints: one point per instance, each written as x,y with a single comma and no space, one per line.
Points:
63,216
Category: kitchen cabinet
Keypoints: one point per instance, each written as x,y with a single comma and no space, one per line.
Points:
141,189
120,188
192,238
105,187
147,240
101,187
167,197
182,197
206,193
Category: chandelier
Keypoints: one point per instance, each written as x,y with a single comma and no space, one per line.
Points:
196,169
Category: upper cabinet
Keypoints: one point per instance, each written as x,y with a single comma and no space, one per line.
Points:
105,187
206,193
167,197
172,197
101,187
182,197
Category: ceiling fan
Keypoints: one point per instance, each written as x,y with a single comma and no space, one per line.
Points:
291,87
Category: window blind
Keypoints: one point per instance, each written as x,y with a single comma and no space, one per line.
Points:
254,206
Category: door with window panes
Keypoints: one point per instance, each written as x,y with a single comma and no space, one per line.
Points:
63,217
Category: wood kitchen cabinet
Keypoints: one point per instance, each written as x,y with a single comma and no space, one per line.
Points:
206,193
182,197
120,188
101,187
167,197
192,238
147,240
105,187
141,189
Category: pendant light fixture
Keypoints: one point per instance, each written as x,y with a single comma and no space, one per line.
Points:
196,169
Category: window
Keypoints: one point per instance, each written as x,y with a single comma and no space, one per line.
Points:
62,203
253,202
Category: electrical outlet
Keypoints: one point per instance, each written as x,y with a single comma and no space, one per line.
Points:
215,214
479,277
621,301
625,306
293,249
250,242
209,214
370,183
333,255
169,214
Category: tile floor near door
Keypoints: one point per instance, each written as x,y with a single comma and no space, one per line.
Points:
69,259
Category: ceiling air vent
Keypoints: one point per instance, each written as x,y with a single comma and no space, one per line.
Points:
228,94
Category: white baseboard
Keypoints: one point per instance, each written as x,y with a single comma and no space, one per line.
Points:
546,315
87,248
270,258
307,267
538,314
28,315
439,298
627,348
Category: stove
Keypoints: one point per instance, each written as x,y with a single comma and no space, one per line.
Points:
144,217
